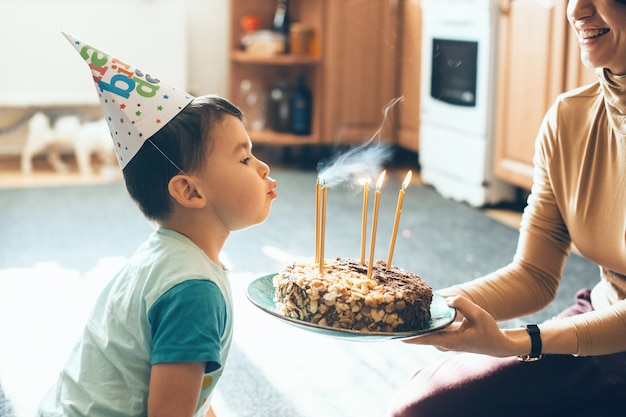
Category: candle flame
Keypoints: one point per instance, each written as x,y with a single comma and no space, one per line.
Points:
379,182
407,180
365,181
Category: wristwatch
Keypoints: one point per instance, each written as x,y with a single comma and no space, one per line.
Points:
535,344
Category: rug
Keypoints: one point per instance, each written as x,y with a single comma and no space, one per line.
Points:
60,245
273,369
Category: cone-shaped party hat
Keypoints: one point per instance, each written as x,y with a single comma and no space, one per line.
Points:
135,104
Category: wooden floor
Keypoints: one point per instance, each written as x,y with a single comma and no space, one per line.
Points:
42,175
506,216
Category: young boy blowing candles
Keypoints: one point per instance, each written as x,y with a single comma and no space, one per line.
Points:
157,339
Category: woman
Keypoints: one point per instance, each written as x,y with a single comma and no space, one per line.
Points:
579,197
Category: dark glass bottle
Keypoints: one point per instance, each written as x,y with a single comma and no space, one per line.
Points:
301,105
281,21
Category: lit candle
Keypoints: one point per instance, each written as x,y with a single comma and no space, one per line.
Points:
317,221
324,191
366,191
396,222
379,184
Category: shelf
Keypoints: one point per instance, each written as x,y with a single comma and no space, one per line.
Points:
268,70
285,59
271,137
346,35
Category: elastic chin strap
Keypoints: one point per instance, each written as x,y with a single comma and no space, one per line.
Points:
184,173
218,217
165,156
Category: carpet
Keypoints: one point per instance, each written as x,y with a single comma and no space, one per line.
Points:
61,244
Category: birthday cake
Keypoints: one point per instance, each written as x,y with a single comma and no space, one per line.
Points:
391,300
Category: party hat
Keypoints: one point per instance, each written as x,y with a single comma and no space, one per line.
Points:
135,104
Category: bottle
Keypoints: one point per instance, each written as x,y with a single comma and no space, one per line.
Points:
281,21
252,102
301,105
279,109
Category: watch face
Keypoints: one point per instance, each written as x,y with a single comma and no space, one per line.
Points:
528,358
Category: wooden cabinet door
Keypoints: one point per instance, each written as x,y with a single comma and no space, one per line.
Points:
531,66
410,69
360,63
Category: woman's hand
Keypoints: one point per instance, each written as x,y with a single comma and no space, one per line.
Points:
477,332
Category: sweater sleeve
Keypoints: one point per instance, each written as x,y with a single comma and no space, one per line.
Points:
531,280
574,193
601,332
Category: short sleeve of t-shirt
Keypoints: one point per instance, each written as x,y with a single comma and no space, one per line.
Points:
187,324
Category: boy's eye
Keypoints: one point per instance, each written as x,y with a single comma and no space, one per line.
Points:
245,160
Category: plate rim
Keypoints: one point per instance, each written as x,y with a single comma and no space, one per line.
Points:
343,333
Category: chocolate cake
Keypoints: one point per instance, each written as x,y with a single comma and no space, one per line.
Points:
392,300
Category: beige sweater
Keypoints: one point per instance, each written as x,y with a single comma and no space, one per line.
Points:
578,196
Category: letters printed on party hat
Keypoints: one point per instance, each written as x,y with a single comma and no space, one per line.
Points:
135,104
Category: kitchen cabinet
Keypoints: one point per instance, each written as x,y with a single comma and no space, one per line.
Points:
360,64
537,60
263,71
410,70
350,70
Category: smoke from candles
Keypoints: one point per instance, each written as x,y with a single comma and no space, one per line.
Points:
365,160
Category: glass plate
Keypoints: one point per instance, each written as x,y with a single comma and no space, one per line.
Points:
261,293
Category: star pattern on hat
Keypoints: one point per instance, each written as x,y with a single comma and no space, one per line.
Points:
122,89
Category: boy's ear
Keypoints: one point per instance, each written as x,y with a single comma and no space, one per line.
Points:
186,192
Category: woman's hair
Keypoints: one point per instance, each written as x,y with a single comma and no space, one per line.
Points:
183,144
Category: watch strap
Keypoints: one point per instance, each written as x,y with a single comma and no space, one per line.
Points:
535,343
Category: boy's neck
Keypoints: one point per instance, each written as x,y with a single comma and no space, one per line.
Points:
209,235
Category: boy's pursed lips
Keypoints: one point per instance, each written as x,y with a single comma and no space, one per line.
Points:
272,191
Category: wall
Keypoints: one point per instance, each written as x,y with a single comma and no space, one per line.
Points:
185,43
208,30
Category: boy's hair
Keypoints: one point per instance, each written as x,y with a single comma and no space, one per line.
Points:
183,144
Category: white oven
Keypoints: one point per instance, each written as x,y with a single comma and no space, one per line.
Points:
457,102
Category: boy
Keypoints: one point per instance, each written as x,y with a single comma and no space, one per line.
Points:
157,339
